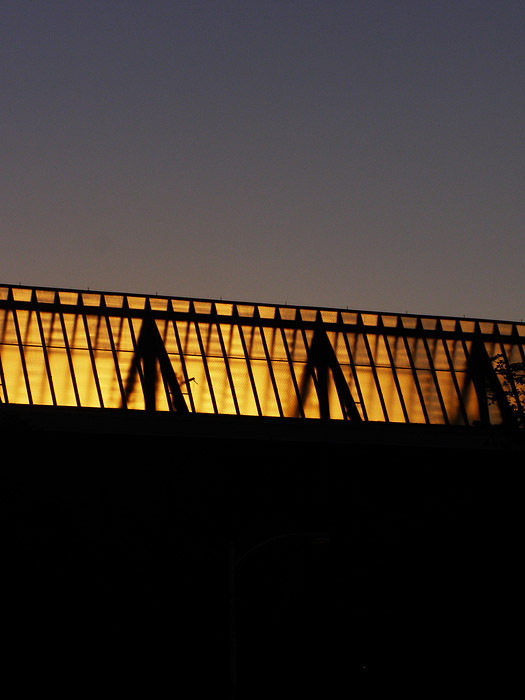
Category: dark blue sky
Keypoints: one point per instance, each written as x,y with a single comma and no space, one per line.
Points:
367,154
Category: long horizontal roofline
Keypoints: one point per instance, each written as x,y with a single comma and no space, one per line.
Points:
286,305
91,349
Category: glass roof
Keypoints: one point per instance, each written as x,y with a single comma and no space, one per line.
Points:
128,351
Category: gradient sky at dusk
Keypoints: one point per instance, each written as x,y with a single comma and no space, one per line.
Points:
365,154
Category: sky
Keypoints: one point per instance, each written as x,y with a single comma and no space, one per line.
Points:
361,154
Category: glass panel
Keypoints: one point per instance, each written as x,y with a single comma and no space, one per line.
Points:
84,377
358,349
185,387
224,309
167,333
221,385
98,333
15,386
418,352
334,403
428,324
182,305
37,374
108,379
232,340
398,350
121,334
287,313
341,353
28,325
158,304
132,384
330,316
15,389
349,317
69,298
505,328
188,338
161,395
410,394
430,397
337,341
467,326
448,324
266,311
378,350
202,307
57,358
243,387
309,397
457,355
470,398
492,348
512,352
45,296
437,353
90,299
136,302
253,340
114,301
210,340
295,344
9,335
409,322
265,391
75,331
308,314
348,374
389,321
130,380
61,375
21,294
199,384
450,397
390,394
487,327
245,310
285,387
370,395
274,343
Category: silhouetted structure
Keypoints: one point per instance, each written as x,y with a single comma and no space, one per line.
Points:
143,435
87,349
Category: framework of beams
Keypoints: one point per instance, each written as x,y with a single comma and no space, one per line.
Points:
75,348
